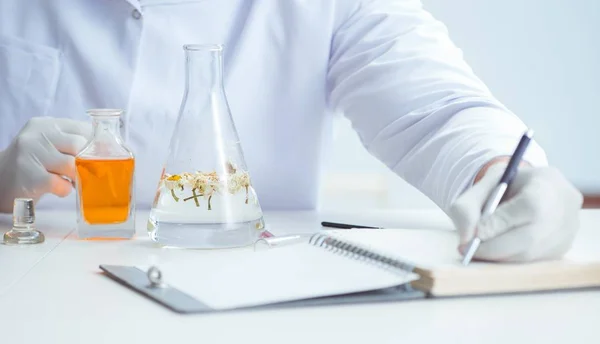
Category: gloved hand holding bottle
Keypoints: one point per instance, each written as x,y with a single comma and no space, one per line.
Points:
39,159
537,219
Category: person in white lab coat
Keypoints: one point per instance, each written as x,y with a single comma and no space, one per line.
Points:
388,66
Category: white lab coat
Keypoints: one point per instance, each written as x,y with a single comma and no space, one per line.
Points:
289,66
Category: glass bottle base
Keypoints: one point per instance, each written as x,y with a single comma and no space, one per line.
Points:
119,231
205,235
23,237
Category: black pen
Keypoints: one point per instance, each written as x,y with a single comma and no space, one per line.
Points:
496,196
344,225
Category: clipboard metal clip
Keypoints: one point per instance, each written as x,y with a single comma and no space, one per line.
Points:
155,278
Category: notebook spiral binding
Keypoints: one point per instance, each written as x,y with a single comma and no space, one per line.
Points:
354,251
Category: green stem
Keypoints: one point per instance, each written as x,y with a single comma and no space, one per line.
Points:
209,206
195,197
246,194
174,197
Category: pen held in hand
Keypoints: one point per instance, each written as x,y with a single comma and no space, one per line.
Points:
498,192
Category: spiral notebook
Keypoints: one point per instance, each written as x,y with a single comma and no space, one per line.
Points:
347,266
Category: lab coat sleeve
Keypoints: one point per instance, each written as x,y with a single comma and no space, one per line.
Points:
414,102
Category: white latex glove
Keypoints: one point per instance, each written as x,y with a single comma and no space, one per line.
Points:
537,218
38,158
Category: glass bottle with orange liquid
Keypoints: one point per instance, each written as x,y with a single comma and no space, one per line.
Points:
105,181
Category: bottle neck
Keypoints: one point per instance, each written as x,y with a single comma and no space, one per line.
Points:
204,71
106,127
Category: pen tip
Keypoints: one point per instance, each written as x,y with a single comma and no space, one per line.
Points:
529,133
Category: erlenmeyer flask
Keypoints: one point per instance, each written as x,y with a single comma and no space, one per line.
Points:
205,197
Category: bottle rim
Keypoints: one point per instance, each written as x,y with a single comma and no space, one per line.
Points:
105,112
203,47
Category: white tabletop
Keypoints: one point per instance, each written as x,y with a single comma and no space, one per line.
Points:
15,261
55,293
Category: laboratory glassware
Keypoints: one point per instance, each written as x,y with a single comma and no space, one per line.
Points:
23,230
105,181
205,197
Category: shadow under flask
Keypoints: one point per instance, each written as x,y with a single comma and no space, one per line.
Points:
105,181
205,198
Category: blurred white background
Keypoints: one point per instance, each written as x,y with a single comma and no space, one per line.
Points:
539,57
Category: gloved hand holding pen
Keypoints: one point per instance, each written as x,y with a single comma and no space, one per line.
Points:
537,219
38,158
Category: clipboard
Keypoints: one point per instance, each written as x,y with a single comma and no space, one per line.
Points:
151,285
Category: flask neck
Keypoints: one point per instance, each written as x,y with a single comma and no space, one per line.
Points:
204,69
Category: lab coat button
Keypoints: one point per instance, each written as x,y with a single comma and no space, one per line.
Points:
136,14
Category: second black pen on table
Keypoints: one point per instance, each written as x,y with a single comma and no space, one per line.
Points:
345,225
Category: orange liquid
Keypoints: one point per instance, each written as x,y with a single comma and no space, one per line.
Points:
105,189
